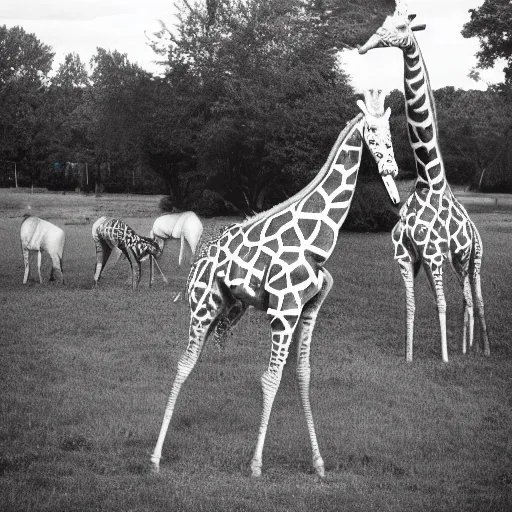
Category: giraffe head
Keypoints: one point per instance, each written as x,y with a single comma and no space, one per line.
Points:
377,135
148,247
396,30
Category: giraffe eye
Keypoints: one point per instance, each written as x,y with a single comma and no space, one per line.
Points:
378,155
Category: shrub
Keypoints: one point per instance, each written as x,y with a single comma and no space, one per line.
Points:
371,209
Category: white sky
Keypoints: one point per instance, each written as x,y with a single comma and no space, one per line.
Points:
82,25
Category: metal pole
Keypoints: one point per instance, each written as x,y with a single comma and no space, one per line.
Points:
15,176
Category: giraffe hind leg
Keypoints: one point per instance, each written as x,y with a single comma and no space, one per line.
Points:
202,320
477,292
469,321
305,332
283,326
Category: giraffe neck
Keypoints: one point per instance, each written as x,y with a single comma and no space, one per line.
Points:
422,120
345,151
331,197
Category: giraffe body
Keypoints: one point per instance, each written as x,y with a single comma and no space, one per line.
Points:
108,233
274,261
433,227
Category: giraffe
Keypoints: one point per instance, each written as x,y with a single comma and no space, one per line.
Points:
274,261
433,226
108,233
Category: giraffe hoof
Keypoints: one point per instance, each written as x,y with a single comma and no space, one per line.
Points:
155,465
318,464
256,470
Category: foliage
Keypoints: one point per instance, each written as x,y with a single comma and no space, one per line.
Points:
245,111
492,24
24,66
471,126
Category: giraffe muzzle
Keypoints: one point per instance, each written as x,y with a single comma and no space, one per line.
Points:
373,42
390,185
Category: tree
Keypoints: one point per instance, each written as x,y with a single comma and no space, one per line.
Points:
491,23
25,63
117,103
471,125
264,97
70,90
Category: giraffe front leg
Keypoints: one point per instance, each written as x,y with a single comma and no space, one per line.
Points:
307,324
282,331
103,252
203,314
408,272
135,266
437,276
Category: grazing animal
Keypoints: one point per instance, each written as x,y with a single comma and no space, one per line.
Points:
108,233
40,235
185,226
274,261
433,227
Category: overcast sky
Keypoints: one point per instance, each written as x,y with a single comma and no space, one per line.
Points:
81,26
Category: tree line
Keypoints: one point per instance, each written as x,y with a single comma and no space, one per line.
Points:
248,103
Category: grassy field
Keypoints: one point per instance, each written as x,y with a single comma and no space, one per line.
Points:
85,374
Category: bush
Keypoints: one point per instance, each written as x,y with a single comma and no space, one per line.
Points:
460,170
371,209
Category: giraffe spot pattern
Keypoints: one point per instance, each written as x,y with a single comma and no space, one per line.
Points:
256,258
314,204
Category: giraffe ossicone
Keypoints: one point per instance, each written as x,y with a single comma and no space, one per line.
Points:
434,227
275,261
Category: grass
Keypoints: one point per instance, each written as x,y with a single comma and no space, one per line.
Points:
85,374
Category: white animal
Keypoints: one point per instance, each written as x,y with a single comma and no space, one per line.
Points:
40,235
185,226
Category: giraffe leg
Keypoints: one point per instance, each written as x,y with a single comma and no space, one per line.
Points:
201,322
477,290
409,270
469,321
282,327
103,252
437,277
26,260
135,265
306,326
39,267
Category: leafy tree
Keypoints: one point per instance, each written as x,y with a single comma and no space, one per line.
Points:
471,125
70,91
492,24
116,104
24,66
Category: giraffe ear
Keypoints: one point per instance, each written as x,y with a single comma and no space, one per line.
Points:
362,106
387,114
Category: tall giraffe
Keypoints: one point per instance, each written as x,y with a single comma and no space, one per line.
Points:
433,226
274,261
